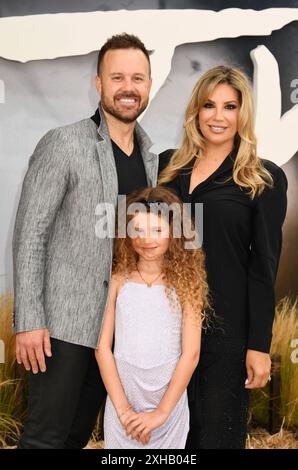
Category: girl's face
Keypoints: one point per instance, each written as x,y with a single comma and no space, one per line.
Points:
218,118
151,235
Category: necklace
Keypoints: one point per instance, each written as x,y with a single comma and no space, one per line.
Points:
149,284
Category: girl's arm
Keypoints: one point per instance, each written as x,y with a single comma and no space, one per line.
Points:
105,357
191,345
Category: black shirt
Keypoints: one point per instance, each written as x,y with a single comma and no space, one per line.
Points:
242,242
130,169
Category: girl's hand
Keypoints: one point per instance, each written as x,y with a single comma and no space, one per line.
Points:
258,365
125,417
141,425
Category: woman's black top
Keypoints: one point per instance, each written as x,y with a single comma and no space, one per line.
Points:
242,242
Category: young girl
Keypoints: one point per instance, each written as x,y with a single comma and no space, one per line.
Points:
156,300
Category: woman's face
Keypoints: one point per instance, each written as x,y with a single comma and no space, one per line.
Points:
218,118
150,235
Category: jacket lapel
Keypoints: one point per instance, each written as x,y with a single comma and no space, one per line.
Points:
150,159
107,161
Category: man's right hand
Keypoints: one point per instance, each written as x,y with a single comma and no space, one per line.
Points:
31,348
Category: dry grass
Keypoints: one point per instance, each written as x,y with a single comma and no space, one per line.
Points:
6,334
285,329
95,445
256,439
260,439
12,402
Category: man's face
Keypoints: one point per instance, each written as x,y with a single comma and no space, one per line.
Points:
124,83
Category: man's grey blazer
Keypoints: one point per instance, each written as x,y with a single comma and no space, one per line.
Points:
61,268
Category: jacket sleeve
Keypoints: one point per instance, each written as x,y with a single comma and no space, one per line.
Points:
268,217
43,190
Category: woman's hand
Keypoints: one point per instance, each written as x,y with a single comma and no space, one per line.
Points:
141,425
258,365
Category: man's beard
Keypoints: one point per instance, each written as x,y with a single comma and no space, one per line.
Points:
121,116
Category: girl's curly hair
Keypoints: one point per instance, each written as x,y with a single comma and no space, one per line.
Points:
183,269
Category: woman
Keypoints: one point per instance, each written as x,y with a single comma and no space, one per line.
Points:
244,205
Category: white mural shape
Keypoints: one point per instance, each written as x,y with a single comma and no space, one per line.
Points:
277,134
162,31
51,36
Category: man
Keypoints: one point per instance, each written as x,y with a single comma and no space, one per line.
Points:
61,268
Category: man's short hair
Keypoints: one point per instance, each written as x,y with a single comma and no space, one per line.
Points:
122,41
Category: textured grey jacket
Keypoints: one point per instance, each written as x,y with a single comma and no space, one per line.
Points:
61,268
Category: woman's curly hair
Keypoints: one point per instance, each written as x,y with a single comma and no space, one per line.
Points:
183,269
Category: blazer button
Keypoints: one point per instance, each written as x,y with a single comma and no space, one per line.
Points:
105,283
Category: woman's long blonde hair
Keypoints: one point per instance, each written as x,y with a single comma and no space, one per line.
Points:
249,171
183,269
